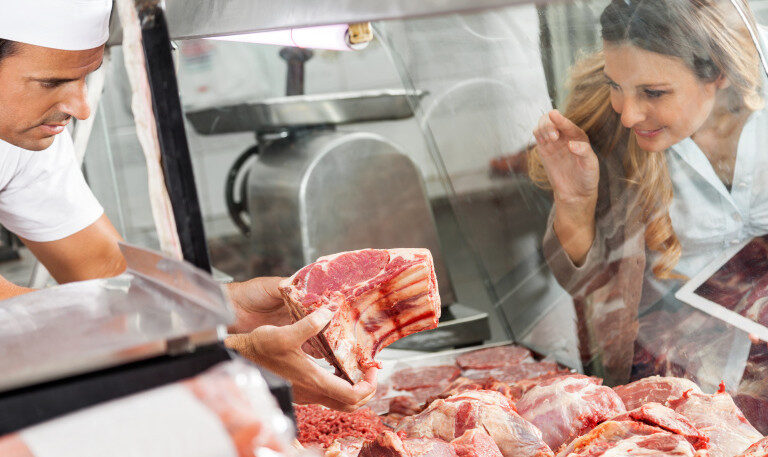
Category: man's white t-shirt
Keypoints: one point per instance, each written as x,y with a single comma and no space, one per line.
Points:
43,194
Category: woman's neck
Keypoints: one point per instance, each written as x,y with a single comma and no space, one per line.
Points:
719,137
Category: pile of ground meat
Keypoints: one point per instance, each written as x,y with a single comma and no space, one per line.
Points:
320,426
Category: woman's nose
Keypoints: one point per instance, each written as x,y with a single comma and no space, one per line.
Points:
631,113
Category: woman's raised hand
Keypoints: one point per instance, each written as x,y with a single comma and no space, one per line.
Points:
573,172
568,159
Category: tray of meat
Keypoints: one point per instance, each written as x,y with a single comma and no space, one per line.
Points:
503,400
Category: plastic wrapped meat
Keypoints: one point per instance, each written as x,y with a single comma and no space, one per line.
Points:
377,296
450,418
718,417
568,406
629,438
415,378
656,389
759,449
224,412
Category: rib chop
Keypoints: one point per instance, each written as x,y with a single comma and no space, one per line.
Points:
377,295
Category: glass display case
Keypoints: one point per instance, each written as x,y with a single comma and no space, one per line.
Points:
449,160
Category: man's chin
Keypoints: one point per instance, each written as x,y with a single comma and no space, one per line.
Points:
32,144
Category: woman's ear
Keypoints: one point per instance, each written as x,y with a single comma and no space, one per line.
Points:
722,82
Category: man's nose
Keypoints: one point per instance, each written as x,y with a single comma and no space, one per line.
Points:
75,102
631,113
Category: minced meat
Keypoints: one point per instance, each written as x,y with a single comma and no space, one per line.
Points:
320,426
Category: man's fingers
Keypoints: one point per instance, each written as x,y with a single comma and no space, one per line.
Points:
309,326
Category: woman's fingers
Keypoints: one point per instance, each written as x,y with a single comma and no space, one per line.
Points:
566,126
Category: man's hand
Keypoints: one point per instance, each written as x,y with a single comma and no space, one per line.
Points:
279,349
257,302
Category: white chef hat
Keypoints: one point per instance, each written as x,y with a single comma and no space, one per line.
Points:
72,25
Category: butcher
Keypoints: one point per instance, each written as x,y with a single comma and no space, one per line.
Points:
47,49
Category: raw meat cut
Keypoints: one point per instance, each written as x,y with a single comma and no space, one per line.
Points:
475,443
718,417
404,405
321,426
568,406
759,449
656,389
525,370
752,397
450,418
667,419
464,384
495,357
414,378
377,295
345,447
629,438
389,444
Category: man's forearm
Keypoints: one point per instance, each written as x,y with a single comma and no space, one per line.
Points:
9,289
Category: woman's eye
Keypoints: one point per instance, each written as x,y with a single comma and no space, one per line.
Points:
612,84
654,93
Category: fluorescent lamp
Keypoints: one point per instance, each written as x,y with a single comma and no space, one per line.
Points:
335,37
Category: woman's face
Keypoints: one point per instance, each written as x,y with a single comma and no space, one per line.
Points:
657,96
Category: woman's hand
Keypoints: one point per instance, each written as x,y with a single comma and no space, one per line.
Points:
573,172
279,349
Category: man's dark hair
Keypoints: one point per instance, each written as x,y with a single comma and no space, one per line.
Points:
6,48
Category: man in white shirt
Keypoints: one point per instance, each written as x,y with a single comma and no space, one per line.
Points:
47,48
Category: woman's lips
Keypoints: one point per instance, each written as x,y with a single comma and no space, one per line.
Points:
648,133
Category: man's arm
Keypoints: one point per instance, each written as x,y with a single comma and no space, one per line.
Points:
88,254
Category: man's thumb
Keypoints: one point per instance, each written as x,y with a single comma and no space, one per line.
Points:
312,324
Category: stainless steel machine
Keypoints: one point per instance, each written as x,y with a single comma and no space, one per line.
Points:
313,190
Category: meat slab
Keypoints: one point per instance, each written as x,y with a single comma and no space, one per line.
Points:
667,419
389,444
377,295
475,443
345,447
759,449
629,438
488,410
568,406
495,357
718,417
656,389
415,378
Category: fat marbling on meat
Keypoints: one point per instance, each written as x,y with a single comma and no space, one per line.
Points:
377,296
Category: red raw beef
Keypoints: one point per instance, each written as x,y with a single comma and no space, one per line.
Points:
654,389
495,357
404,405
667,419
759,449
629,438
718,417
415,378
377,295
568,406
464,384
475,443
389,444
488,410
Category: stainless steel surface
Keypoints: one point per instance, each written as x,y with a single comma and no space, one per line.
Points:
316,194
304,110
157,307
201,18
464,326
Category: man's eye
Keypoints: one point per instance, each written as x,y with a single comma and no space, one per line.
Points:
654,93
50,85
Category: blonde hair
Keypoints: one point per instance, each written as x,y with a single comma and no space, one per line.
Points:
732,53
